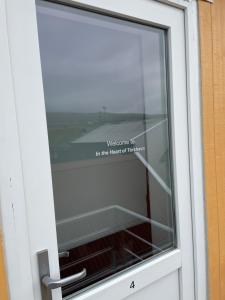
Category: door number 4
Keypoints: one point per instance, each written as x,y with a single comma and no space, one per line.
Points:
132,285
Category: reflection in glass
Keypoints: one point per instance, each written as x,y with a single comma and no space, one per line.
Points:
106,103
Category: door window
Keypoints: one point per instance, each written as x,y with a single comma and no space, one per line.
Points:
106,96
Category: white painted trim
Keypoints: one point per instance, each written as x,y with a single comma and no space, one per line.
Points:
195,149
183,4
195,143
22,102
12,198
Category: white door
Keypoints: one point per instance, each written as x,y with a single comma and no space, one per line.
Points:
101,102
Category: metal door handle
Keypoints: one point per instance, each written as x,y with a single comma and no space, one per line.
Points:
47,283
52,284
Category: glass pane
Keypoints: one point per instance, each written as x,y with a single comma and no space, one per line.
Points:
107,113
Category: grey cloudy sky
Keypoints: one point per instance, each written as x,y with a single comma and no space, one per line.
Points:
87,66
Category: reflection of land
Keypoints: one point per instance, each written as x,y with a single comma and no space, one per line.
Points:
123,131
82,137
65,127
77,136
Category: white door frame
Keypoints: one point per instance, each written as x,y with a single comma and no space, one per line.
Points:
20,196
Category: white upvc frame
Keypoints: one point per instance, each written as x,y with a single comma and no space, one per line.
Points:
196,150
14,195
182,4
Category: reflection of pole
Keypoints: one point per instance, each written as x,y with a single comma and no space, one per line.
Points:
104,112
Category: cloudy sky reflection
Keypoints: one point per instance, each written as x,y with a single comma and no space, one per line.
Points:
87,65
